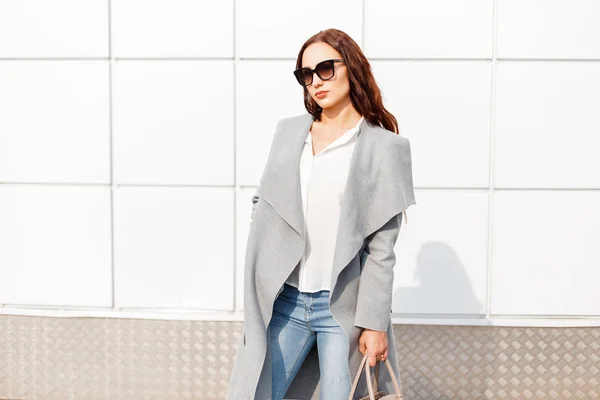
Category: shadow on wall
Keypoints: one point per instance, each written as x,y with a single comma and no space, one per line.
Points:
444,289
444,285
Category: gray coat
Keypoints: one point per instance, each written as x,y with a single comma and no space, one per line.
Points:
379,188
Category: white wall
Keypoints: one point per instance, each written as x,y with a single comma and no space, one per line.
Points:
133,134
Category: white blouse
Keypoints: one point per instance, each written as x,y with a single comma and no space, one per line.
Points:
323,179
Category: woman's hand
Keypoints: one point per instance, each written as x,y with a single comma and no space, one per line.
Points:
374,344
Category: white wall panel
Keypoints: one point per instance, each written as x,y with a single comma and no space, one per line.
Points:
57,28
174,248
547,125
428,28
443,108
173,122
277,29
441,254
55,246
172,28
54,121
545,253
548,29
266,91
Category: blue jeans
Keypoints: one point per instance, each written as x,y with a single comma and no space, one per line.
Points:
299,321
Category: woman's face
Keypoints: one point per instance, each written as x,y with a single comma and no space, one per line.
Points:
337,88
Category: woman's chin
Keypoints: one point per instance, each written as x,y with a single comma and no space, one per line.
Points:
325,103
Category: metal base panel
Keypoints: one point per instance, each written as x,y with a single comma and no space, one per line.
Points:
108,358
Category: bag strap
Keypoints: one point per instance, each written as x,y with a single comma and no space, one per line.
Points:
357,378
370,384
376,378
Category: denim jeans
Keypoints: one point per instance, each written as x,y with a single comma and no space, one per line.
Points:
299,321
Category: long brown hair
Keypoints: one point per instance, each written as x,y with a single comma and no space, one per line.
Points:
364,92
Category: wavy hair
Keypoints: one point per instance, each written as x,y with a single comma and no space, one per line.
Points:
364,92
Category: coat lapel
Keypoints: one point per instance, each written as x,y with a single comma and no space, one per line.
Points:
281,184
379,185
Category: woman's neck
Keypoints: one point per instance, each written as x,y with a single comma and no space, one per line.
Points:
339,121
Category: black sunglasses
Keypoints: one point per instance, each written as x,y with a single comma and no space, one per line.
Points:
325,70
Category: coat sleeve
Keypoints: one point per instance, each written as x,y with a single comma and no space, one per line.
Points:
374,303
256,195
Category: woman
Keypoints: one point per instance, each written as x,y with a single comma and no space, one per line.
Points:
320,254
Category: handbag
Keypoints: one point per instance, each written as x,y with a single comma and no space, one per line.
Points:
374,393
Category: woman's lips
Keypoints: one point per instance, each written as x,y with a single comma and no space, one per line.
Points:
321,95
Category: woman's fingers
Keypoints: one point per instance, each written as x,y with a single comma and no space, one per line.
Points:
378,354
362,348
372,360
374,344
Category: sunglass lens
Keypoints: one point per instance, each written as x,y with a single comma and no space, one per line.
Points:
303,76
307,75
325,69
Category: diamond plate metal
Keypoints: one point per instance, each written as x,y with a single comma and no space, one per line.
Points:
106,358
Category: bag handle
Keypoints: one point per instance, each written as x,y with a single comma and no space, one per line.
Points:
388,365
370,384
365,365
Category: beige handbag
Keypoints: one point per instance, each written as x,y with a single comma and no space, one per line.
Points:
375,394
